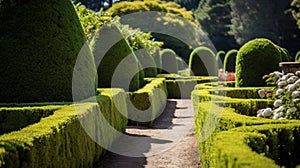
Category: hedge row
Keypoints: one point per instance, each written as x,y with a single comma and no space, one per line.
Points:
12,119
145,104
229,137
60,140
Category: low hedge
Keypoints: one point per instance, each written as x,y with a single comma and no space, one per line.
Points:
229,139
60,140
12,119
145,104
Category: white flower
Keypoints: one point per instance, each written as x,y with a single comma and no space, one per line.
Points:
297,73
297,83
277,103
295,93
291,87
291,80
279,109
297,100
289,75
262,93
267,112
281,118
279,92
259,112
281,83
278,74
277,116
291,110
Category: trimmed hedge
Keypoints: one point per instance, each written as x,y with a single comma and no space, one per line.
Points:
110,49
203,62
241,140
147,61
60,140
169,62
147,103
229,61
255,59
12,119
39,46
297,57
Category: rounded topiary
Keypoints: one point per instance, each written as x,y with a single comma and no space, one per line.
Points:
147,62
180,63
203,63
169,61
117,64
284,53
229,61
39,45
255,59
297,56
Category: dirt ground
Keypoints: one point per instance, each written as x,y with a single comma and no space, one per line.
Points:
182,154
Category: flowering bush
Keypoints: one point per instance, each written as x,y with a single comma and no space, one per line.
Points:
285,93
226,76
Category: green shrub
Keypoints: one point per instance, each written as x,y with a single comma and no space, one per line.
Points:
39,46
147,102
13,119
297,57
60,140
284,53
229,61
180,63
220,56
147,63
255,59
169,62
110,49
157,59
203,63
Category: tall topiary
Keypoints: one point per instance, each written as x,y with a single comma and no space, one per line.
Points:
255,59
220,56
180,63
203,63
157,59
169,62
39,45
147,62
297,57
229,61
117,64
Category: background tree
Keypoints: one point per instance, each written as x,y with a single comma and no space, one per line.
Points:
267,19
188,4
215,19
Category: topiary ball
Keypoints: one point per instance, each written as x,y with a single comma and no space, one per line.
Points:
255,59
203,63
39,45
229,61
117,64
169,61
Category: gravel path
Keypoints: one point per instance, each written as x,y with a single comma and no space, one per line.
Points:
170,143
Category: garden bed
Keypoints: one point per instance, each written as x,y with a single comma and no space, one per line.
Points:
59,140
229,134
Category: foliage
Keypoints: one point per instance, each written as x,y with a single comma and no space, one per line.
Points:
264,19
296,11
297,57
286,96
188,4
214,17
230,59
123,8
39,45
203,63
255,59
147,62
169,62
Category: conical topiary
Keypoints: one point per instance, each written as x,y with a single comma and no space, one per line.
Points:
229,61
39,45
203,63
169,62
255,59
117,64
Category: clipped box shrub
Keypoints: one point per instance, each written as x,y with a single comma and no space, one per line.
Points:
180,63
285,55
111,51
203,63
221,56
255,59
229,61
169,62
13,119
39,46
147,103
297,57
60,140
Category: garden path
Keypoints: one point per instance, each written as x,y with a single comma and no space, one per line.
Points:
169,143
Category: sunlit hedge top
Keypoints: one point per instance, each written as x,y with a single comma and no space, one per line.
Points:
123,8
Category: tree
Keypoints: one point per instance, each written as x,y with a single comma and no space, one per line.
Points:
267,19
215,19
188,4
